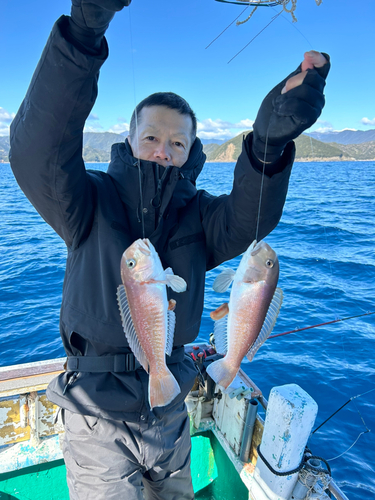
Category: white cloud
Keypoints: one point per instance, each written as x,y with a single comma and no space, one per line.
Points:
96,127
324,126
119,128
4,130
93,117
92,124
367,121
220,129
5,120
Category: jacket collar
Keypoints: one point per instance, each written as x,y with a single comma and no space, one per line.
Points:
181,181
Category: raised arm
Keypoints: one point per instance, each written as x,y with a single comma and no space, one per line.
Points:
46,134
231,222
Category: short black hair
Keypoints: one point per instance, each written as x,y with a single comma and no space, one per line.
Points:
169,100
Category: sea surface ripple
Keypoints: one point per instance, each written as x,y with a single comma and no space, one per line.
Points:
325,243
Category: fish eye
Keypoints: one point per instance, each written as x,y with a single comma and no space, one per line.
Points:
130,263
269,263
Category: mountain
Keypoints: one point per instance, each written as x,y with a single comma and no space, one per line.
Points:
364,151
93,155
346,136
307,149
227,152
210,148
97,148
102,141
212,141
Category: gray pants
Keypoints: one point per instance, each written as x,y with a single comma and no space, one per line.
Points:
107,459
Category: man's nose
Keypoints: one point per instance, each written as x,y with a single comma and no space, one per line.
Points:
162,152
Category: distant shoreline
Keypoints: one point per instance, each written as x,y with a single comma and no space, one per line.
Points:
297,160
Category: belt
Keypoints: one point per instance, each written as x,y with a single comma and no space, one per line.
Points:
116,364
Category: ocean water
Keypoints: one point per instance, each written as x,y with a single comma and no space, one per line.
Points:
325,244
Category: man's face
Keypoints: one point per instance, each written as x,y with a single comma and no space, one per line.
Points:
163,136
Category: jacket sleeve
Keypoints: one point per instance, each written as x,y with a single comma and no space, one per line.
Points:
47,132
230,221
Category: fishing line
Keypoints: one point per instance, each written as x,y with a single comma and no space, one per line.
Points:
341,407
320,324
262,182
234,20
272,20
359,413
138,162
350,447
295,27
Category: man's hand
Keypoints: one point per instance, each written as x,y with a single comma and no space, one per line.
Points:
291,107
96,14
89,20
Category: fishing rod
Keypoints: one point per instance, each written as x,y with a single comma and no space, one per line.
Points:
321,324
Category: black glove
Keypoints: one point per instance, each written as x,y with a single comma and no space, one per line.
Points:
283,117
89,20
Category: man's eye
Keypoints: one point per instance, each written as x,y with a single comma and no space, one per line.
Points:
179,144
150,137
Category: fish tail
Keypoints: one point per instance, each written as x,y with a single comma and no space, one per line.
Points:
162,388
222,372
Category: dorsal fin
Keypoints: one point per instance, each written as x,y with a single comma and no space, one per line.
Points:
221,335
171,317
128,326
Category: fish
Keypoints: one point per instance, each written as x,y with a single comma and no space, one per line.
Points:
148,318
243,325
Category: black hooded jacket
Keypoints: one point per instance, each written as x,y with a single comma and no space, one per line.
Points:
100,214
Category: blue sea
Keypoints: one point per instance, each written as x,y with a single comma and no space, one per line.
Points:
325,243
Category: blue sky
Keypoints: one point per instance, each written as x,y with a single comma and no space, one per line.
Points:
160,46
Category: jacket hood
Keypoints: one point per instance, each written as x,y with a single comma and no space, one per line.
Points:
164,190
190,170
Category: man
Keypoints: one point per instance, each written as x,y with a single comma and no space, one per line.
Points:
115,446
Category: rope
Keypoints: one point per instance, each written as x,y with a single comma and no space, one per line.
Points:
277,473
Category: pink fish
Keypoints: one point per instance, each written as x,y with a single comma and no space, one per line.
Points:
245,324
147,318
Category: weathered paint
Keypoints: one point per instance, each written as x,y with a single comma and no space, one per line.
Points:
291,414
26,417
35,471
229,414
227,485
212,472
203,465
41,482
11,430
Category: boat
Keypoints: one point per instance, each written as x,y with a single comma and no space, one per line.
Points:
243,446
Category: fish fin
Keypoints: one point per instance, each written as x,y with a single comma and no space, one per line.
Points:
223,280
221,335
177,283
128,327
171,305
171,317
222,372
220,312
268,324
162,389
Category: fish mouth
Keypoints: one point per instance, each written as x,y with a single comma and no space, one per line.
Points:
256,247
144,246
